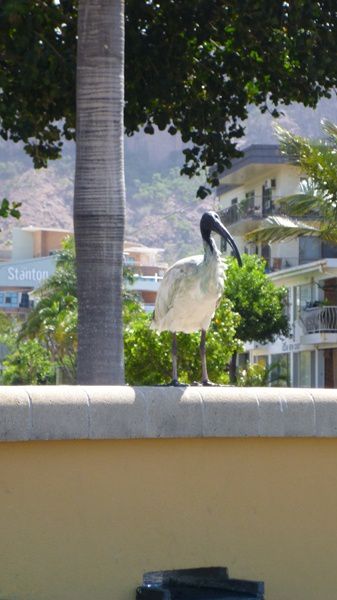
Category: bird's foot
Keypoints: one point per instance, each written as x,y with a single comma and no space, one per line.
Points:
208,383
204,383
176,383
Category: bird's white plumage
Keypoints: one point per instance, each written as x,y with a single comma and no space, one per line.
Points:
189,292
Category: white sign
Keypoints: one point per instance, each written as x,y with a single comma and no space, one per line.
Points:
290,347
16,274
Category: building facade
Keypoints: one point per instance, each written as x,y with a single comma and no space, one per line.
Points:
306,266
148,268
34,256
32,261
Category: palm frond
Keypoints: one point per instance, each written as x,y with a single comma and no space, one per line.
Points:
329,233
318,158
290,144
301,205
278,229
317,198
330,129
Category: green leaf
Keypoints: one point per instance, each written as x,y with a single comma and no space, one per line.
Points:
203,192
9,210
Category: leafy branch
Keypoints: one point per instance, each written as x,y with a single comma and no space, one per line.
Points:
9,210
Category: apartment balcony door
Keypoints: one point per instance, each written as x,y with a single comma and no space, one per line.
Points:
265,253
330,368
304,369
267,202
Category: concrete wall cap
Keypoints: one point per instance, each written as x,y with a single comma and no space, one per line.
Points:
125,412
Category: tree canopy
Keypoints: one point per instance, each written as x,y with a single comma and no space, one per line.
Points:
260,304
192,66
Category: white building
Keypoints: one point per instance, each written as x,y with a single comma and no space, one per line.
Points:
306,266
33,260
148,268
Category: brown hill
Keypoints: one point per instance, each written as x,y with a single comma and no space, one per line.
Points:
46,199
162,209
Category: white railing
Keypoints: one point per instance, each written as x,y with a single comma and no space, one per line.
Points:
145,283
319,319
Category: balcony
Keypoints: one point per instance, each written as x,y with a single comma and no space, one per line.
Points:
243,217
319,325
235,213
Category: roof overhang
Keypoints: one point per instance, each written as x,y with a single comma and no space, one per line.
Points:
256,160
323,269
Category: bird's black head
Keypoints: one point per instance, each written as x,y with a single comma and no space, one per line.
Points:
210,221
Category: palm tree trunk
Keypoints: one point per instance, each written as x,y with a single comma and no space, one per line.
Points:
99,202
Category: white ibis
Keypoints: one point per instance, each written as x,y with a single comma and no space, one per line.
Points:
190,290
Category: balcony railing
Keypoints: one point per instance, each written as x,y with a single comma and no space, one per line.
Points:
237,212
320,319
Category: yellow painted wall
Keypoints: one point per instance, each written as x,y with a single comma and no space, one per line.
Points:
83,520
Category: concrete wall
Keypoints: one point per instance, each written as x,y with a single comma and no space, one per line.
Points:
46,242
34,242
162,479
23,244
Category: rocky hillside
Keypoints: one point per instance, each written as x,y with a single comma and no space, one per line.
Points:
162,209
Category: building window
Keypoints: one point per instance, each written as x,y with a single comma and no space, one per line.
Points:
296,303
251,196
129,260
265,253
250,200
9,299
279,372
243,360
310,249
286,304
246,206
329,250
330,367
234,210
304,369
303,298
261,359
267,202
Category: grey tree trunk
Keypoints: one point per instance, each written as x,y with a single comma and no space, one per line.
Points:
99,202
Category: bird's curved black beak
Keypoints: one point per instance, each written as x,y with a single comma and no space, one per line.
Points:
221,230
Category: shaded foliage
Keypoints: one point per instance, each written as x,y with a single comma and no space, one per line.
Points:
51,324
260,375
148,353
192,66
251,308
29,363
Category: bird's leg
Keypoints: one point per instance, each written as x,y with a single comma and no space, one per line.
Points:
175,381
204,374
174,360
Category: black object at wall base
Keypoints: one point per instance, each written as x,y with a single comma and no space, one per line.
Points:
209,583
